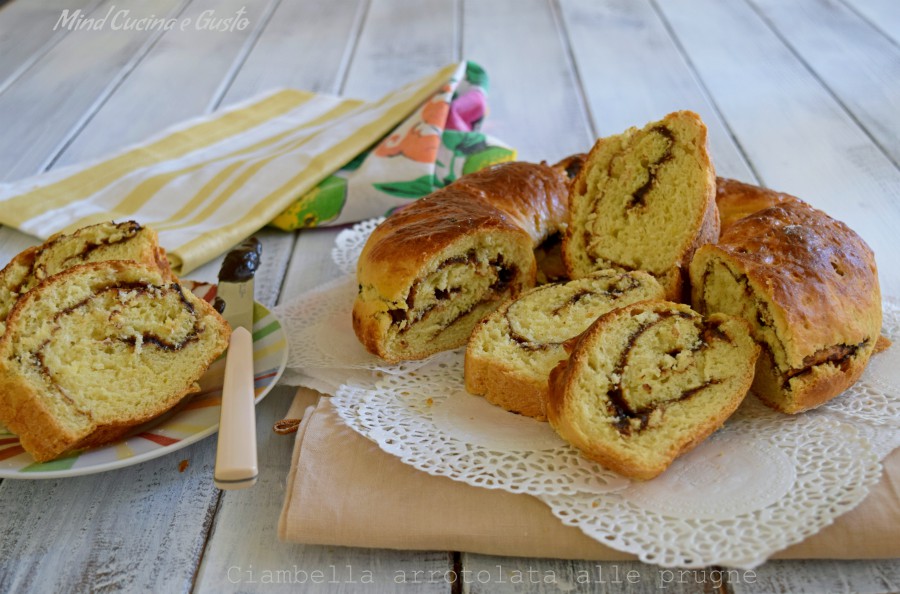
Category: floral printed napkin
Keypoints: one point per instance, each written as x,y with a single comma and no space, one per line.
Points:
435,145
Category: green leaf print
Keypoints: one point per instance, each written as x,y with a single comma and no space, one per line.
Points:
415,188
320,205
354,163
464,143
490,156
476,75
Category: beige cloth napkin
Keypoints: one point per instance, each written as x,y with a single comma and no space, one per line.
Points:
343,490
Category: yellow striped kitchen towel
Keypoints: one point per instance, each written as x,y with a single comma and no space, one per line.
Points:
208,183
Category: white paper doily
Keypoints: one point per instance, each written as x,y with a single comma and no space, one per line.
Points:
875,397
428,420
349,244
762,483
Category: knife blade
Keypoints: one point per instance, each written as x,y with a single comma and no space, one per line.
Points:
236,461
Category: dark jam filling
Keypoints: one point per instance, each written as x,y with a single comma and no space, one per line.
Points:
146,338
639,196
839,355
619,407
613,292
128,230
506,274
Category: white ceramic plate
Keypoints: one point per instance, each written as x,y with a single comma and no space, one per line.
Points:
190,422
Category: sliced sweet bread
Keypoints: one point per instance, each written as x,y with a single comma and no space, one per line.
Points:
648,382
808,287
512,351
433,269
644,200
105,241
99,348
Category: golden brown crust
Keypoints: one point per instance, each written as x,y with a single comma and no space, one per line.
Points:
512,197
820,285
503,388
571,166
517,204
819,385
736,200
815,269
882,344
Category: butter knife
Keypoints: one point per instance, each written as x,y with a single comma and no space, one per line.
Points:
236,461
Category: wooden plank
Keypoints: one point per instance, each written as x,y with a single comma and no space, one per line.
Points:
169,72
535,102
48,103
815,577
642,84
244,552
482,574
883,15
795,134
397,43
311,265
109,532
245,522
28,30
400,42
304,45
861,67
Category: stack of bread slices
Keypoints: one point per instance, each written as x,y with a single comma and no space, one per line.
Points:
680,292
98,336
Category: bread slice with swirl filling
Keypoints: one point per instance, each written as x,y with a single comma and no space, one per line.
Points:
648,382
644,200
98,349
432,270
104,241
808,286
511,352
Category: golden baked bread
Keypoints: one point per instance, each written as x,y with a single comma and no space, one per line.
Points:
512,351
648,382
105,241
98,349
433,269
644,200
736,200
808,287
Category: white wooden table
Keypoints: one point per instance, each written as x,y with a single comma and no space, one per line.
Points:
802,96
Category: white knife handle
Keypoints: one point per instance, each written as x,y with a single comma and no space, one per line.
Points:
236,465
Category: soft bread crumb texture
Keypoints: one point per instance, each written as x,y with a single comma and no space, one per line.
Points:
104,241
433,269
644,200
100,348
511,352
648,382
455,290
